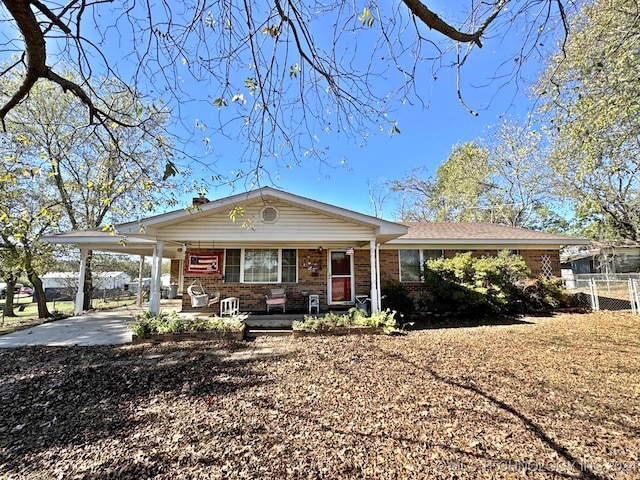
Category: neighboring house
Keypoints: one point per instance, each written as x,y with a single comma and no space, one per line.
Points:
602,258
111,280
245,244
60,280
135,285
64,285
599,258
101,280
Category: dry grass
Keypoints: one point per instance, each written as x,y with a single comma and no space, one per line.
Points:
555,398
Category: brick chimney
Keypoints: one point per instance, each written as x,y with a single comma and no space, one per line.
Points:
201,200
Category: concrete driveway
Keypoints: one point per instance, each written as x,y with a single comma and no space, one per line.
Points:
103,327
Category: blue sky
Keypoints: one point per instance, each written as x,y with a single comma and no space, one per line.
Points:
426,139
427,136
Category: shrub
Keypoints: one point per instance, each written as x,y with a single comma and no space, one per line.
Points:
354,317
544,295
479,287
396,297
148,324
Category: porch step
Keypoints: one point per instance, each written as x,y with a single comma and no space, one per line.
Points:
268,323
267,332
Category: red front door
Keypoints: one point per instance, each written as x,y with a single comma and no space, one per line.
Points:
340,278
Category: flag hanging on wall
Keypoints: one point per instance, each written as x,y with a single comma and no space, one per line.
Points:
197,263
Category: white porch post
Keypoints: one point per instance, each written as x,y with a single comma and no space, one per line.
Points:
374,295
77,309
156,278
378,276
140,281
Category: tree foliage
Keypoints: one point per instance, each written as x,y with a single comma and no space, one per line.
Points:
502,178
80,174
591,93
96,174
26,214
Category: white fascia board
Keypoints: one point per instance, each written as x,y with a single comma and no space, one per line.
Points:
105,239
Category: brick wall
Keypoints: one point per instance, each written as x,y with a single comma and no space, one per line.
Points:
252,296
362,271
390,264
174,273
533,258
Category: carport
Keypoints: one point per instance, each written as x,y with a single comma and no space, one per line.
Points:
98,240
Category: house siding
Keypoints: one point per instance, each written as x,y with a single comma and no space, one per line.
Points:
293,224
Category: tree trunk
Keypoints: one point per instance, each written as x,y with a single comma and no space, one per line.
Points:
8,299
88,284
38,291
41,300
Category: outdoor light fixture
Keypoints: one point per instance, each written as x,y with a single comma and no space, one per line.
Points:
319,250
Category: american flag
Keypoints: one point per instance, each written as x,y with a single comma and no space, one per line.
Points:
197,263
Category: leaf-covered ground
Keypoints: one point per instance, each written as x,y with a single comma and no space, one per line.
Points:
547,398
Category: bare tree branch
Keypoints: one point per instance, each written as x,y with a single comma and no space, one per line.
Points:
271,74
433,21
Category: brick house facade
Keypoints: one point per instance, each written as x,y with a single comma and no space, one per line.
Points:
307,247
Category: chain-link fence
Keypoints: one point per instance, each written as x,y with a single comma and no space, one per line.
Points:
608,291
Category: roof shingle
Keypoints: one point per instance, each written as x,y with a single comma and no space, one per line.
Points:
476,231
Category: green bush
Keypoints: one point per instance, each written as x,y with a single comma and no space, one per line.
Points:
396,297
354,317
487,286
148,324
544,294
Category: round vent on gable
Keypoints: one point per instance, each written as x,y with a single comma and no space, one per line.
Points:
269,215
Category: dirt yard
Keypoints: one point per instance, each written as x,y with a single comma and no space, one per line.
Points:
546,398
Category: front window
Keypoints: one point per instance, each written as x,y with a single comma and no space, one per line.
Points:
232,265
409,265
411,262
289,266
261,265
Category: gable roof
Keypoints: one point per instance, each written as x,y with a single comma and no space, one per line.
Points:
385,229
306,220
480,233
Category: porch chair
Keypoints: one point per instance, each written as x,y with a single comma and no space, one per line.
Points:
277,298
200,297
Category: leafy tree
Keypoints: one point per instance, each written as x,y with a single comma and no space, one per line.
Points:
277,74
590,90
98,176
503,178
26,214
